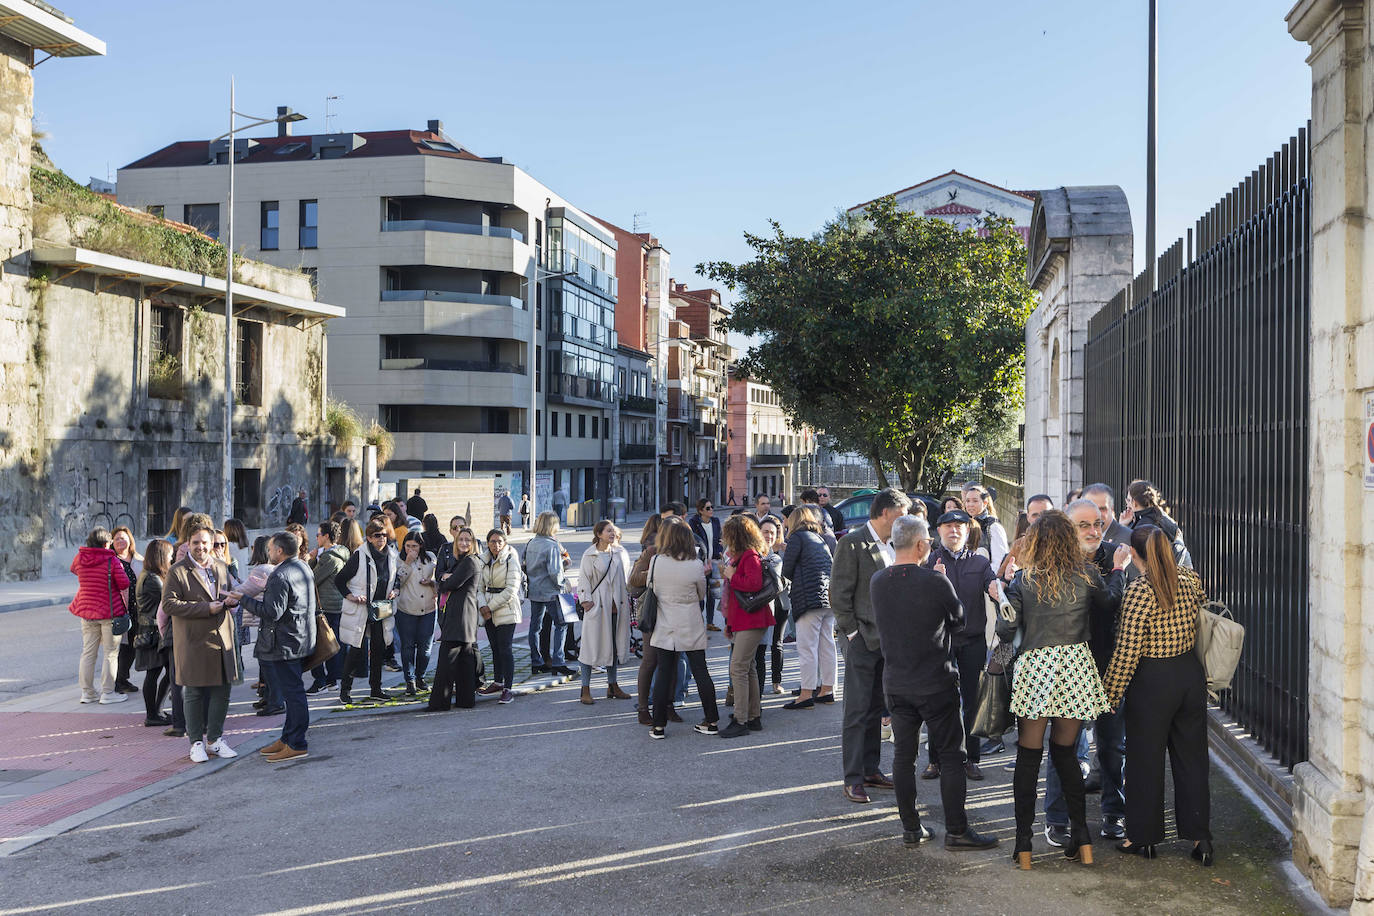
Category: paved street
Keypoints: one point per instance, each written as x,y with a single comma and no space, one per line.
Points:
540,804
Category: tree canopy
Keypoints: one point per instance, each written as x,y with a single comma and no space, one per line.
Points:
900,336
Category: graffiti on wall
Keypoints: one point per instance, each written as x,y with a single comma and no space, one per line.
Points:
277,506
91,498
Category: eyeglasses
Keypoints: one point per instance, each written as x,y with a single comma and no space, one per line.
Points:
1098,525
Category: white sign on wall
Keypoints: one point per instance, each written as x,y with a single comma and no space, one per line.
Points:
1368,446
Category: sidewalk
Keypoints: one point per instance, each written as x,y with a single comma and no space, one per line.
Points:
20,596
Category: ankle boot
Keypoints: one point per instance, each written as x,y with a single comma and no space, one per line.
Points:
1065,761
1023,784
587,696
613,692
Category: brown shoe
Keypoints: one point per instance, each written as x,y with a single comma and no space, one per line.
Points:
645,717
276,747
673,716
288,753
587,696
614,692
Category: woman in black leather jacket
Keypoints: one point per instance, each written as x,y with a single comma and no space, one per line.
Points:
1145,506
1056,684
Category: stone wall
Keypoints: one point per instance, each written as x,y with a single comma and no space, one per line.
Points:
471,497
1333,810
21,459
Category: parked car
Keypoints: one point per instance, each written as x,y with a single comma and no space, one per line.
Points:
855,509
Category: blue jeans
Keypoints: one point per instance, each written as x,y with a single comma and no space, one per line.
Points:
587,675
285,678
556,638
416,634
1056,810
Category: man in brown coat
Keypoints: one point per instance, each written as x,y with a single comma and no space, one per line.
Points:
202,639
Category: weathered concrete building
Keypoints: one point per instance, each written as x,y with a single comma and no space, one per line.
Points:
963,201
112,358
1078,257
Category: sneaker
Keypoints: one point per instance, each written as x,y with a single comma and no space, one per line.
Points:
288,753
1112,828
991,746
489,690
507,696
657,733
916,837
420,684
316,687
564,670
705,728
755,724
198,754
711,627
887,732
125,687
777,686
276,747
735,729
392,666
108,699
220,749
90,698
1056,835
175,733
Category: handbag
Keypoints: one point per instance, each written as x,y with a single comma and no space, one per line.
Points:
381,610
1219,641
568,611
752,601
119,623
992,716
326,644
648,603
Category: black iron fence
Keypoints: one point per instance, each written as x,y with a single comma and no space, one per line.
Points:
1201,386
1006,473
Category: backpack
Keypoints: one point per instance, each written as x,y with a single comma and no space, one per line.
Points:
1218,645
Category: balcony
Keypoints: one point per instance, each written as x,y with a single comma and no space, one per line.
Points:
443,295
636,451
636,404
563,261
452,365
769,460
440,225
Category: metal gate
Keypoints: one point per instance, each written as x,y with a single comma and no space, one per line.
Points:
1201,386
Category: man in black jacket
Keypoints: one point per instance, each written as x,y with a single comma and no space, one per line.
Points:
918,615
973,579
287,635
706,529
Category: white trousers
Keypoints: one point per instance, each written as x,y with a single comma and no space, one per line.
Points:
816,655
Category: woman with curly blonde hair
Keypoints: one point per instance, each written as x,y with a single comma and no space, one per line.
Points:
1056,686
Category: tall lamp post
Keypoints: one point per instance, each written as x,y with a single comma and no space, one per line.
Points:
536,276
286,116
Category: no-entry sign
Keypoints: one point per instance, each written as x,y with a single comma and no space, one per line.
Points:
1369,441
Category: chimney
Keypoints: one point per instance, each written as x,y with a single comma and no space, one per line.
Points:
436,127
283,127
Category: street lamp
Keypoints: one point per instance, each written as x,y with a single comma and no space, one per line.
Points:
536,275
285,116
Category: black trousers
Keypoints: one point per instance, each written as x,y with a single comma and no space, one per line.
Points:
667,684
969,660
940,713
126,662
156,682
455,676
1166,709
773,645
375,653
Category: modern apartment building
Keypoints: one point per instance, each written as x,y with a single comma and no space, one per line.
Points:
768,455
444,260
704,454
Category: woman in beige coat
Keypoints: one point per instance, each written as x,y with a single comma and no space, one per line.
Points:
603,594
498,597
678,580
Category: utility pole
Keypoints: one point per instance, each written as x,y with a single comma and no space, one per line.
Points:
1151,141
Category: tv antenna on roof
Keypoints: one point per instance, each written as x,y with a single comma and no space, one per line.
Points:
641,221
328,115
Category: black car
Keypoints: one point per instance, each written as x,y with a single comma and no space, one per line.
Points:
855,509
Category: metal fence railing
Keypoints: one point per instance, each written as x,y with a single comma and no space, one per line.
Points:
1201,386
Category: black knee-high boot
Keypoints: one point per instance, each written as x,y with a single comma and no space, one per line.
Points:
1023,783
1065,761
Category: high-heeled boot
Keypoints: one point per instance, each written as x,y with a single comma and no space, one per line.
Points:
1065,761
346,690
1023,783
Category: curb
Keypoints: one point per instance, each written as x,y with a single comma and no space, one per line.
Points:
31,603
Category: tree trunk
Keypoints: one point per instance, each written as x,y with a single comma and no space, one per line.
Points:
912,460
878,469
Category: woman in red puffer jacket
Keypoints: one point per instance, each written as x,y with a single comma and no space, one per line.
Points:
744,573
101,585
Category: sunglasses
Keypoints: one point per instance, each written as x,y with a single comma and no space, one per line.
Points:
221,543
704,508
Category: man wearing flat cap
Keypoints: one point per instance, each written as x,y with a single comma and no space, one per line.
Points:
973,577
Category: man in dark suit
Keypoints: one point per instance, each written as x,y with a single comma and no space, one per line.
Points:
286,636
1101,496
860,554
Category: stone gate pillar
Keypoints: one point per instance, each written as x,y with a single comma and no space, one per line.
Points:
1333,824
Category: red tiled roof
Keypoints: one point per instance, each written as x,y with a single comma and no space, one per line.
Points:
377,143
953,209
1029,195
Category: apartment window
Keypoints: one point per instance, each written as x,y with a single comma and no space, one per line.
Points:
495,420
538,368
248,496
538,424
269,222
553,424
582,426
605,429
164,495
595,427
204,217
248,362
620,380
164,352
567,425
309,224
157,210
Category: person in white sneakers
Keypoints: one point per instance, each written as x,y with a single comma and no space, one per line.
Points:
203,639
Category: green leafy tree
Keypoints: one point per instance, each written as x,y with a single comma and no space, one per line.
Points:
901,337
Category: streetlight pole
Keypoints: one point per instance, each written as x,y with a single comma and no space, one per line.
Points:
536,275
227,494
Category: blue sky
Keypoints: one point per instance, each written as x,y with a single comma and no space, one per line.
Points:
710,118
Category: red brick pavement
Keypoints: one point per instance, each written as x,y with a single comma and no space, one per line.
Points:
115,751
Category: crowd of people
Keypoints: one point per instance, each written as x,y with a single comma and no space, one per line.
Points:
1094,613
